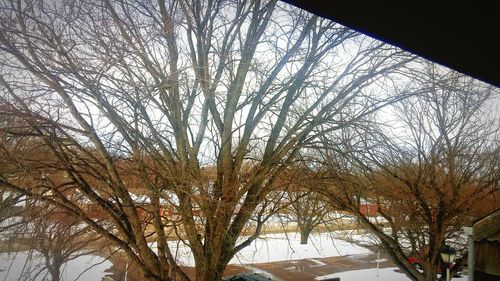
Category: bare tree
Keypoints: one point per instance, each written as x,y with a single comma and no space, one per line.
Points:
142,96
52,238
306,208
430,178
309,210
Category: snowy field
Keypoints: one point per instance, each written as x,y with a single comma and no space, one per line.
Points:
23,266
276,247
279,247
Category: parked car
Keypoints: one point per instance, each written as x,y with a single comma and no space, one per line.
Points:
418,265
248,277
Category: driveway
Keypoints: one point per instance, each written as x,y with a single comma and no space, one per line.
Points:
296,270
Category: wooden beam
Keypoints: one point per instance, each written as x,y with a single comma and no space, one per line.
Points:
487,226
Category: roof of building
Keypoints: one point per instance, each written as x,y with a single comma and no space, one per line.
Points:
461,36
487,227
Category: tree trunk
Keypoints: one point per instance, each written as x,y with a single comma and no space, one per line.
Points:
150,277
55,272
304,235
211,273
431,274
213,267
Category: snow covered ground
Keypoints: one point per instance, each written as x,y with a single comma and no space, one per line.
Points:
383,274
279,247
24,266
268,248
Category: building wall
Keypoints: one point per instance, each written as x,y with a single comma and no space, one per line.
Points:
368,210
487,256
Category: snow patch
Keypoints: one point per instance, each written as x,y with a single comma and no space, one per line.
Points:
24,266
317,262
277,247
384,274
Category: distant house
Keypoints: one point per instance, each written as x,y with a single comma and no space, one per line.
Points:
369,210
486,248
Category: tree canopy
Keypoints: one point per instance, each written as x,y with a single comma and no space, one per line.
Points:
173,88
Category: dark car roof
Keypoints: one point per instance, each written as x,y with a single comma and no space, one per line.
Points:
248,277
